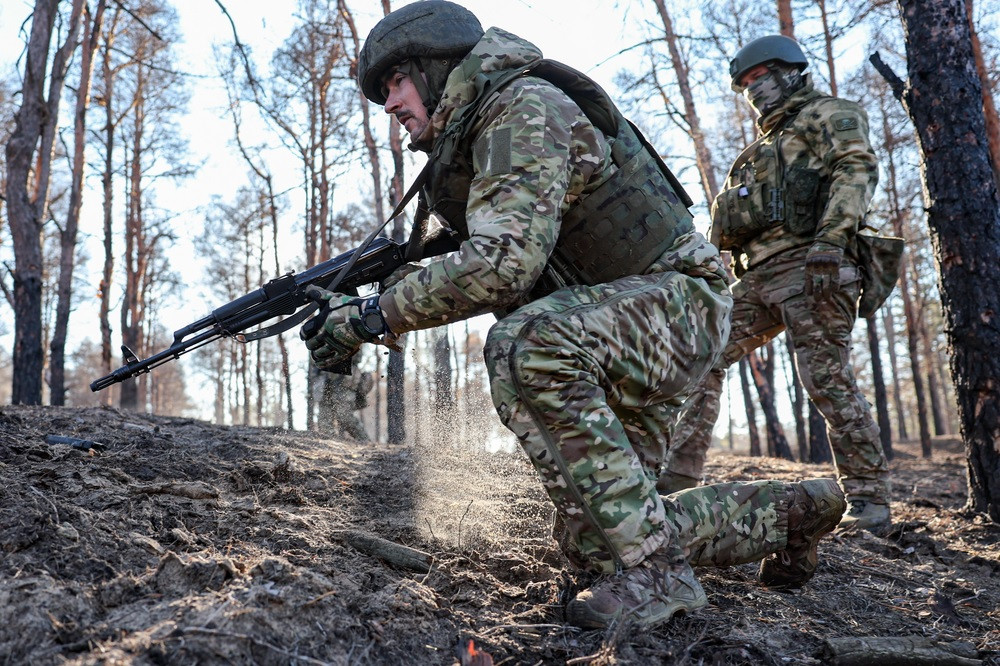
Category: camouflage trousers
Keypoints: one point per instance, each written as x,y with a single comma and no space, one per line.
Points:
583,378
768,300
730,523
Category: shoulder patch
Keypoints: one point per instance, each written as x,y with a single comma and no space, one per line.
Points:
500,149
844,121
844,124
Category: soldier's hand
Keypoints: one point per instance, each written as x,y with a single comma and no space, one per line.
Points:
334,339
823,269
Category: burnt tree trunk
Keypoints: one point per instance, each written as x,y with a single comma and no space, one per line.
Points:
26,211
963,212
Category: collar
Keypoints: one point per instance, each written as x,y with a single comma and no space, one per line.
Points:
791,106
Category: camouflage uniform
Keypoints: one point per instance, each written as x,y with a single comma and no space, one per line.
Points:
585,374
810,135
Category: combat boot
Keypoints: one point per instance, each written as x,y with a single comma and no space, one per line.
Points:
649,593
672,482
814,509
866,514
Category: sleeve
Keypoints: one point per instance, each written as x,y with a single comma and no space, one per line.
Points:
522,164
848,157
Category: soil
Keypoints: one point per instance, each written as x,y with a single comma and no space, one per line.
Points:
183,542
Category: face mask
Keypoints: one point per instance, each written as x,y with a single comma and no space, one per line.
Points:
770,90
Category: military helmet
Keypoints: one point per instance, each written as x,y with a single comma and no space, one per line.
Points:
765,49
428,29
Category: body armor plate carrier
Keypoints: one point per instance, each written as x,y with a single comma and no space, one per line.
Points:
619,229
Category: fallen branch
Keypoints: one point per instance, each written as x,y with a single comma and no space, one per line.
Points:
394,553
900,651
191,490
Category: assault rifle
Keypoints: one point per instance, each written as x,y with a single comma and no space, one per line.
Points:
282,296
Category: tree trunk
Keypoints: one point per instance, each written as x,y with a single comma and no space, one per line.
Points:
26,211
57,381
751,411
913,347
786,25
798,398
828,44
989,107
443,397
964,218
107,182
819,441
703,155
889,324
933,389
881,402
909,311
395,397
777,444
132,314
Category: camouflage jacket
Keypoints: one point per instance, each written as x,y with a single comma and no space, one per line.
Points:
815,150
517,195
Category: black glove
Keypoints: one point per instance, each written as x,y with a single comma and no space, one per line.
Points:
347,322
823,269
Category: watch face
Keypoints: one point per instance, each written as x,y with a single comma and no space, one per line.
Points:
373,323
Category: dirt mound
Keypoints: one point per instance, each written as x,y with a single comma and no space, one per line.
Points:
181,542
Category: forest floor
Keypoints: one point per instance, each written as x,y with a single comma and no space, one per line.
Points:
184,542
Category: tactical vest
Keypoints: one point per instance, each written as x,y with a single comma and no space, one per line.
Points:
793,197
619,229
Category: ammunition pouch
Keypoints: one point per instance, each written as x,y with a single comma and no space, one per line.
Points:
879,261
739,214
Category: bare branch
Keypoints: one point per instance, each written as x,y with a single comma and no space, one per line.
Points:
139,20
895,83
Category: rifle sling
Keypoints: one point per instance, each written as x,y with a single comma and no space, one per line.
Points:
307,311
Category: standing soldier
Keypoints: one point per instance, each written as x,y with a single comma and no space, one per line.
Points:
343,398
611,308
790,213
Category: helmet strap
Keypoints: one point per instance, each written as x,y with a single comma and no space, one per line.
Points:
412,69
435,73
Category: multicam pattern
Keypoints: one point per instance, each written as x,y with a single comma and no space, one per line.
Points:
550,154
573,375
587,377
730,523
830,137
768,300
817,133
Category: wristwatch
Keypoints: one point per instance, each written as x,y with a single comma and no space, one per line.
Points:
370,322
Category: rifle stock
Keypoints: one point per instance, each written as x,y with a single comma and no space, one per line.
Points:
282,296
